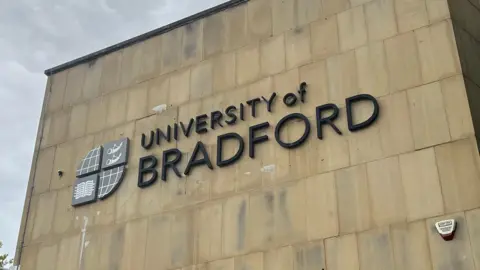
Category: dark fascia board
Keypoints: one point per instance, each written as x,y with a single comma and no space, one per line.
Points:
143,37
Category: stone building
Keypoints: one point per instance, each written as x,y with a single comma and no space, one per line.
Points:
283,189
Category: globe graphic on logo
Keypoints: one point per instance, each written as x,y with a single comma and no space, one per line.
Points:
100,172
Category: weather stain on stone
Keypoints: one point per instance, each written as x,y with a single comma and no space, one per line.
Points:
241,225
269,200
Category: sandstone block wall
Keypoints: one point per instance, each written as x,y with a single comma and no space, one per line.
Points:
365,200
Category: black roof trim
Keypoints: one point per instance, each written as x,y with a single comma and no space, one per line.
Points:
143,37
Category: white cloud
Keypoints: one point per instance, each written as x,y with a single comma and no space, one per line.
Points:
38,34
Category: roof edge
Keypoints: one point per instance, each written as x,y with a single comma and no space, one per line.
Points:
164,29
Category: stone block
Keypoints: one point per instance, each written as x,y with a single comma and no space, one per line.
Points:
234,225
380,16
213,34
68,251
459,175
341,252
321,200
473,222
208,234
116,104
403,63
78,121
253,261
297,47
421,184
272,55
411,14
438,51
93,79
131,65
55,129
316,77
192,43
456,254
307,11
75,81
386,192
97,115
170,241
111,72
58,84
342,77
235,27
331,7
275,162
63,218
46,258
284,83
261,227
428,117
43,170
375,249
396,138
151,58
28,261
372,70
309,256
325,40
410,246
248,64
352,28
171,55
201,81
100,213
158,92
279,259
180,85
158,248
259,20
352,197
437,10
283,16
135,240
225,264
63,162
137,102
224,71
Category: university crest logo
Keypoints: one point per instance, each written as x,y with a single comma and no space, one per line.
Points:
101,172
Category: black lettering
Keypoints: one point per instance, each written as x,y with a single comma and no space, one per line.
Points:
242,112
150,142
298,142
215,119
175,131
270,101
201,126
220,140
303,91
290,99
362,97
253,103
230,112
145,169
327,120
167,163
193,162
252,140
161,134
186,131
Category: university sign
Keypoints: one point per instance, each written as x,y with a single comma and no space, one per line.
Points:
101,171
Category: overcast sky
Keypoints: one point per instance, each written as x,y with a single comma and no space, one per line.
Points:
38,34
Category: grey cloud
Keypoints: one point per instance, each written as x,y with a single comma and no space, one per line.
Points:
38,34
